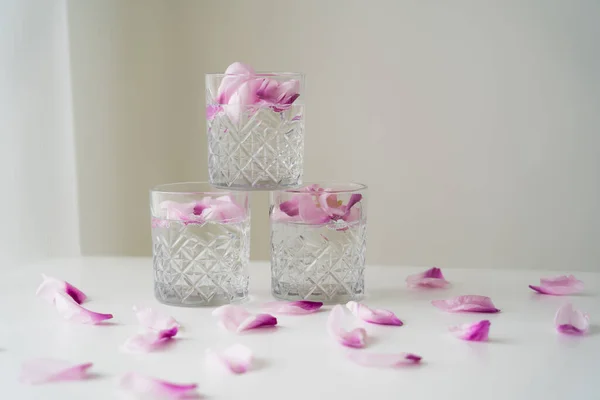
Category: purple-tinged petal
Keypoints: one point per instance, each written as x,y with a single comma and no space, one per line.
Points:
383,360
153,319
212,110
50,286
237,358
374,316
150,340
297,117
236,74
70,310
355,198
237,319
476,332
268,90
310,212
286,93
293,307
559,286
355,338
142,385
49,370
470,303
571,321
291,207
432,278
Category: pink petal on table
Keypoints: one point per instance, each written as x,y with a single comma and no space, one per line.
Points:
293,307
470,303
432,278
374,316
383,360
355,338
150,340
237,358
291,207
310,212
49,370
70,310
476,332
50,286
149,387
212,110
154,319
238,319
559,285
571,321
238,74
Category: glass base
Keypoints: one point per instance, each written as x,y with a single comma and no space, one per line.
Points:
259,186
199,300
285,292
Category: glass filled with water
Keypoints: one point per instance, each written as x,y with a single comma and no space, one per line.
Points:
201,244
255,127
318,242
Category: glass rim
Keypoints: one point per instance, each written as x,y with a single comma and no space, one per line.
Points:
164,189
260,74
351,187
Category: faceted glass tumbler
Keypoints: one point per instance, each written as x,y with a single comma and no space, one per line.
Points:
201,244
254,144
318,242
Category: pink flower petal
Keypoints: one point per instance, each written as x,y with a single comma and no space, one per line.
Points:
571,321
559,285
149,387
268,89
290,207
238,103
49,370
293,307
477,332
153,319
212,110
310,212
238,319
237,358
432,278
150,340
383,360
50,286
354,338
70,310
374,316
238,74
470,303
287,93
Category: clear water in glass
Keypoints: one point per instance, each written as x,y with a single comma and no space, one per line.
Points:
264,150
318,262
200,264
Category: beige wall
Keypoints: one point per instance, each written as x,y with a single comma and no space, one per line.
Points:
474,123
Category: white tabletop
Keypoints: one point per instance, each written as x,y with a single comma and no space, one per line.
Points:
524,359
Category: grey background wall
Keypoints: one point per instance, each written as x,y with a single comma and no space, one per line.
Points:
475,123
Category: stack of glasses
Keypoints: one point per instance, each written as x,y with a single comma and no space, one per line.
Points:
201,231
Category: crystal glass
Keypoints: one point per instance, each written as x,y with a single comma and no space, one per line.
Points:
318,242
201,244
255,132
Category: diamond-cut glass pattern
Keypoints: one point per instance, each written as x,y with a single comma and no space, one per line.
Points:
318,263
200,265
263,150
